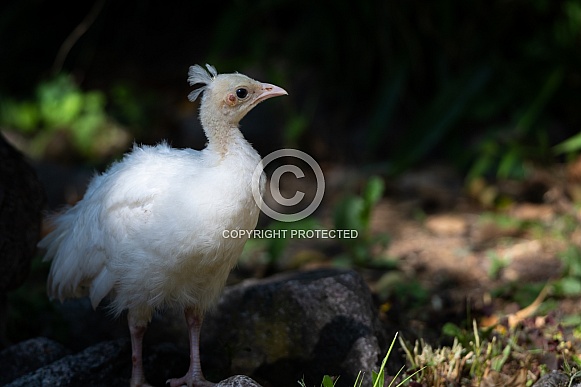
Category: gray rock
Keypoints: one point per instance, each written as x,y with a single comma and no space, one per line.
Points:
290,327
94,366
238,381
277,331
21,203
555,379
28,356
107,364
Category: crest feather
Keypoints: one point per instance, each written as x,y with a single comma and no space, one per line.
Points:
198,75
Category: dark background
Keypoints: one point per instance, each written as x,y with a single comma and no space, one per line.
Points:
482,85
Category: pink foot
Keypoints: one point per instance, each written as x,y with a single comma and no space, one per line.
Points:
194,376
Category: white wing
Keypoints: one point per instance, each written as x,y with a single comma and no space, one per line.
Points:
85,237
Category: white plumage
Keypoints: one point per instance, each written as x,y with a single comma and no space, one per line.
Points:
149,232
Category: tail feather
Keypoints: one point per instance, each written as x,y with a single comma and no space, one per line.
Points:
78,265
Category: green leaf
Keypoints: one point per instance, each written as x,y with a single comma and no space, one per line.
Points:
328,381
60,101
570,145
571,261
498,362
572,320
376,378
276,246
348,214
511,164
373,191
568,287
452,330
23,116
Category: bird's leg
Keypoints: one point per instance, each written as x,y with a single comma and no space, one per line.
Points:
194,376
137,331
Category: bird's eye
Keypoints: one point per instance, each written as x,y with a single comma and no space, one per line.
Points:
241,93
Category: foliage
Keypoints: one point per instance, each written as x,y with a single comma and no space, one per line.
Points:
450,364
378,378
61,107
569,285
497,264
30,299
354,213
570,145
505,150
432,79
491,356
265,251
560,229
395,285
488,86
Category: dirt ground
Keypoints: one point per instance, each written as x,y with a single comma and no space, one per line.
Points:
486,252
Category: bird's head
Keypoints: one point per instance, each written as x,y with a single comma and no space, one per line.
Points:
228,97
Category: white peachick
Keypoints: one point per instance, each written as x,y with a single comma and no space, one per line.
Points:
149,232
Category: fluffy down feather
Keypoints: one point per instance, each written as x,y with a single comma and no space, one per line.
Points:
143,218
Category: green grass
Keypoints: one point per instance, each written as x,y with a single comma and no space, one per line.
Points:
378,378
482,356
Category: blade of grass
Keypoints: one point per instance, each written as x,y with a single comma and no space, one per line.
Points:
359,379
381,374
407,378
497,364
395,377
572,144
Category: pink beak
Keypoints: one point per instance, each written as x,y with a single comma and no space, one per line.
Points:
269,91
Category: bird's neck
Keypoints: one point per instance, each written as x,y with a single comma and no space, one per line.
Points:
222,137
